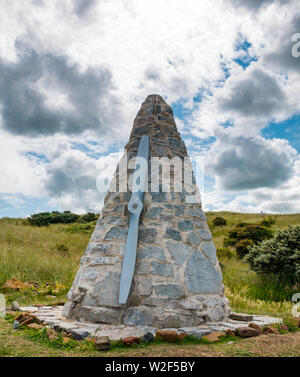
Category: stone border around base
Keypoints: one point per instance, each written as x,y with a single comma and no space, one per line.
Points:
52,316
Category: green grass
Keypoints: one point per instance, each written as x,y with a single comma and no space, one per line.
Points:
51,255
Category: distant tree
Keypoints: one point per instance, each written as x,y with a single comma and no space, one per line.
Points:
89,217
244,235
278,257
219,221
55,217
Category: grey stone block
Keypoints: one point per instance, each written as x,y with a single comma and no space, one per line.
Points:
103,248
204,234
117,220
152,252
172,291
200,275
161,269
116,233
210,250
103,261
153,213
196,212
106,291
179,210
137,317
172,234
159,197
185,225
144,288
193,239
196,332
142,268
147,235
178,251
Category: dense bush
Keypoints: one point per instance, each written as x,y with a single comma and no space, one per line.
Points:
242,247
269,221
244,235
46,218
219,221
88,217
254,232
278,257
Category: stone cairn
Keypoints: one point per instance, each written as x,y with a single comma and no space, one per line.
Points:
177,280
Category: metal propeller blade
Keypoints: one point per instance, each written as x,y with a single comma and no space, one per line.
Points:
135,207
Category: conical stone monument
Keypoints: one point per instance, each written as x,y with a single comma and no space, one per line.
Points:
176,278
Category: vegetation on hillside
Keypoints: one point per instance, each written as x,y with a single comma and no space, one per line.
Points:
278,257
55,217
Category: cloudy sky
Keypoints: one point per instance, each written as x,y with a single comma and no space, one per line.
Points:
73,74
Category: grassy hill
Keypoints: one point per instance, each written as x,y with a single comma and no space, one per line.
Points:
49,258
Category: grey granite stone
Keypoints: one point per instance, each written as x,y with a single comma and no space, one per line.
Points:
172,234
101,248
153,213
116,233
152,252
185,225
178,251
193,239
147,235
172,291
161,269
179,210
103,260
89,273
210,250
137,317
142,268
144,287
196,332
117,220
204,234
159,197
200,275
196,212
106,291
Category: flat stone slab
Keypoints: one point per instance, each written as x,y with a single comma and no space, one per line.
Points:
80,330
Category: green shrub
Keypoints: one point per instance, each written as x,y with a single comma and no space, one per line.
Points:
268,222
242,247
46,218
254,232
89,217
219,221
278,257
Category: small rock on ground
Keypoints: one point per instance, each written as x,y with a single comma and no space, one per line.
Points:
167,336
270,330
35,326
241,317
130,341
247,332
15,306
147,338
16,325
102,343
214,336
256,327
